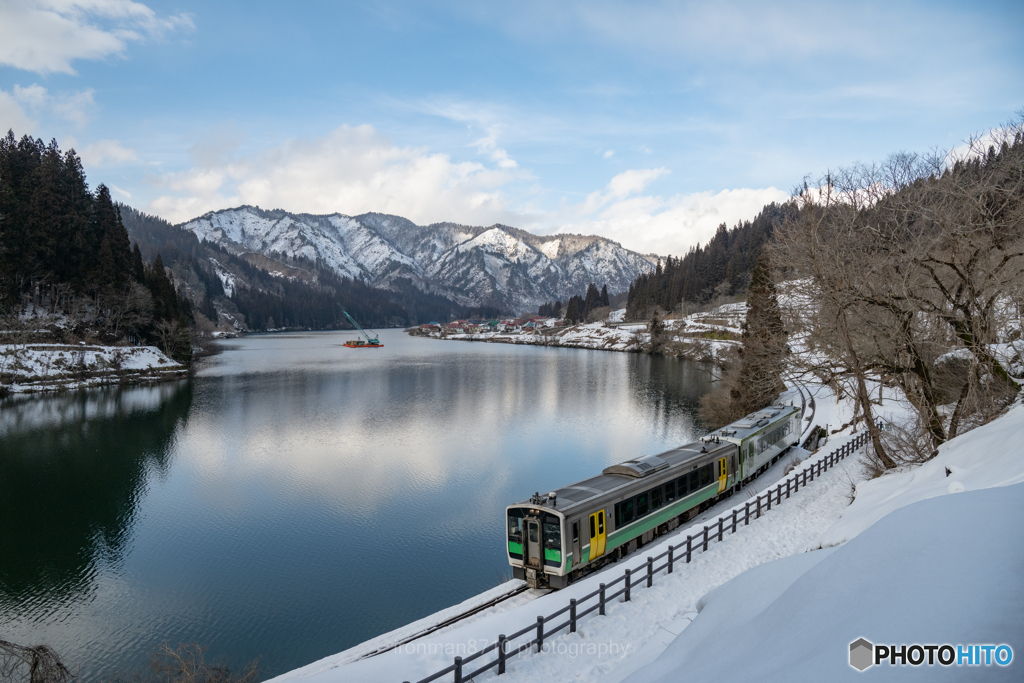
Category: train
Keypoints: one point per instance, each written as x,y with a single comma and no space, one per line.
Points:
572,531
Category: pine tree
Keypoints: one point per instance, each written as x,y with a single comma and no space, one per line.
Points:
763,351
592,301
605,301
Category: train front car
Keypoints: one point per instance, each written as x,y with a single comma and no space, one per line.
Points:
576,529
535,542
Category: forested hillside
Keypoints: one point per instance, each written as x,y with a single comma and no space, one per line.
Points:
65,254
719,269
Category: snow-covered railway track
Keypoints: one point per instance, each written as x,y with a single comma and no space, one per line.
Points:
447,622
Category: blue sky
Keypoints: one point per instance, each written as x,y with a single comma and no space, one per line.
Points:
649,123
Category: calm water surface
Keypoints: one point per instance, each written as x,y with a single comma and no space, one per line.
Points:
298,497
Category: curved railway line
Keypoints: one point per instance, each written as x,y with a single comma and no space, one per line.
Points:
806,402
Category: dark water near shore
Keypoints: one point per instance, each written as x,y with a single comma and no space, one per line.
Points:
297,497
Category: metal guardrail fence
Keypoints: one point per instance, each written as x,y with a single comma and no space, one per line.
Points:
727,523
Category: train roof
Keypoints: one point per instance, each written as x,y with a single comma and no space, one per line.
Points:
753,423
622,474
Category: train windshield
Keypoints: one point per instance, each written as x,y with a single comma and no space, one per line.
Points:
515,525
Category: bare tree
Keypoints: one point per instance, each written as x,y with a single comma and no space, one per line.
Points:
38,664
905,262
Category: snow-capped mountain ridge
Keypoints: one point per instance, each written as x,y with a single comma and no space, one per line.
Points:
498,265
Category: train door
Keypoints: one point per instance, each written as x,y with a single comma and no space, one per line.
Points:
577,551
534,548
722,475
598,536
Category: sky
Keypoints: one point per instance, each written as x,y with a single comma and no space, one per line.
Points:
646,122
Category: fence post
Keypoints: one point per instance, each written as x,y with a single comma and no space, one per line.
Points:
759,505
787,490
626,597
458,670
600,610
689,548
705,539
650,571
734,513
670,558
540,633
572,615
746,514
721,522
502,643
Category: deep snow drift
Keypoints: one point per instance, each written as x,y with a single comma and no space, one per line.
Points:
938,571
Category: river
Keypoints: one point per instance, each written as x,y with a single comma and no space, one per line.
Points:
297,497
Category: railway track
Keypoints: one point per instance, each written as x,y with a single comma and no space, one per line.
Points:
806,401
448,622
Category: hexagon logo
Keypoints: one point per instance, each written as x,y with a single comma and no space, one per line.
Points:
861,654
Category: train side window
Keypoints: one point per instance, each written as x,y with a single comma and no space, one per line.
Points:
705,475
627,511
575,531
552,533
593,531
694,483
670,491
656,498
641,505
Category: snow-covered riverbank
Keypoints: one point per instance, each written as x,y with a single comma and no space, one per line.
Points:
703,337
26,368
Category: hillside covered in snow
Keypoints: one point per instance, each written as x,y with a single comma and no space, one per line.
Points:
497,266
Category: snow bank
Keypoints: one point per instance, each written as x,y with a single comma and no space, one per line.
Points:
49,367
989,456
944,570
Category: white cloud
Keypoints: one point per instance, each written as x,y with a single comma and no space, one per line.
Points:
351,170
46,36
75,107
13,116
609,154
635,180
104,152
651,224
34,96
124,193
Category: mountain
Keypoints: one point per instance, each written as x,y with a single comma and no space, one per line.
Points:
498,266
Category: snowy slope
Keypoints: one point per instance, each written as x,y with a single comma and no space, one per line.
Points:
497,266
937,571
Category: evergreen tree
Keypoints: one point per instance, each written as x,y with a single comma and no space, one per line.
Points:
592,300
113,267
605,301
763,351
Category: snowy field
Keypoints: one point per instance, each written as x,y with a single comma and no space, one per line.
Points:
49,367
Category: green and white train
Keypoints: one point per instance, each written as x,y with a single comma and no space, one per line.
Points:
555,539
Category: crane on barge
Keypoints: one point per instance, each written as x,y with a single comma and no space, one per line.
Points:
370,343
